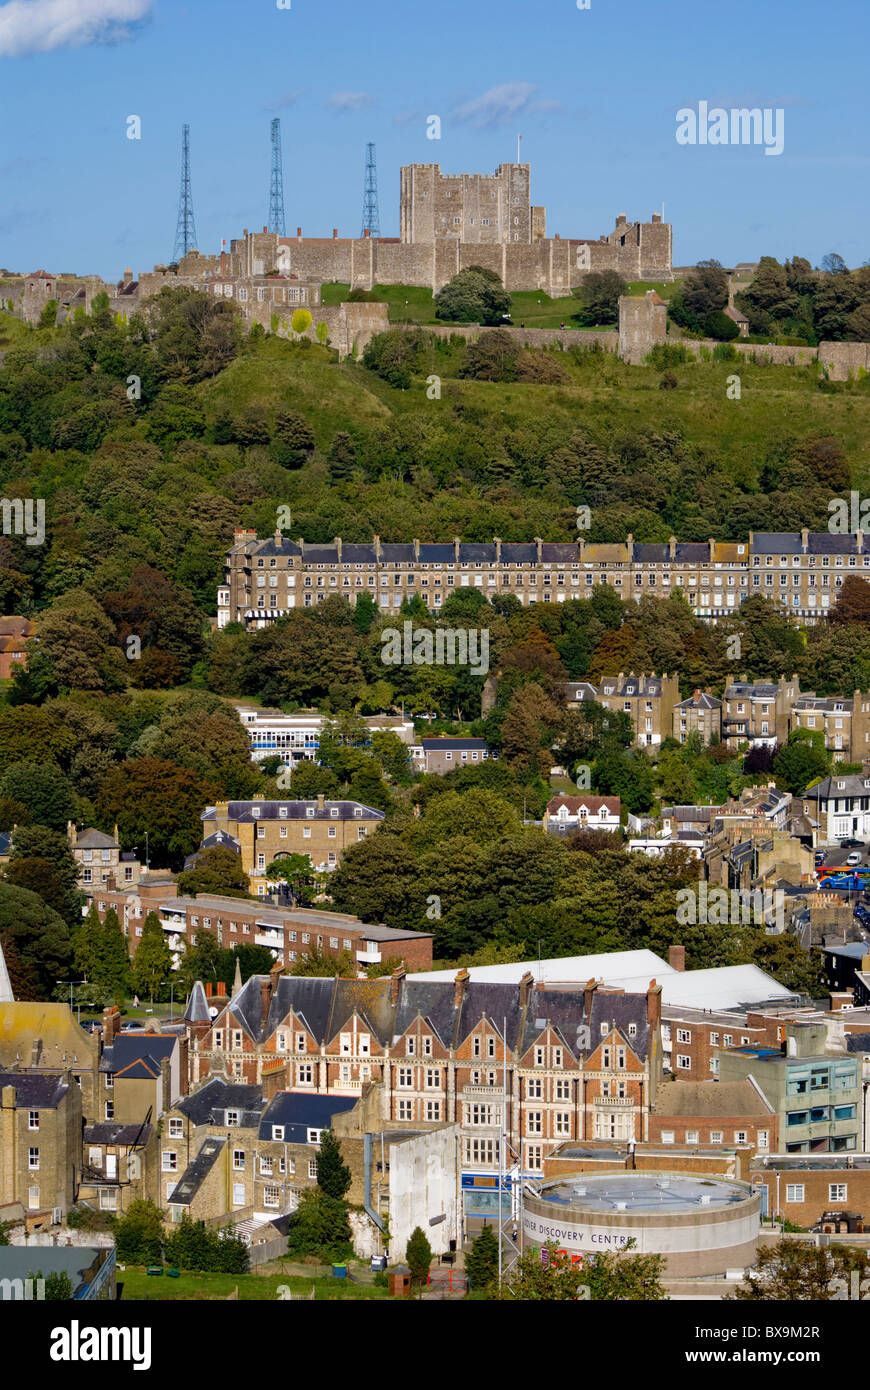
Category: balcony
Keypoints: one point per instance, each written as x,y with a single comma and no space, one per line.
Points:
369,957
621,1102
483,1092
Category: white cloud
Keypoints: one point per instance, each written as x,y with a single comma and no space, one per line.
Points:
282,103
501,105
38,26
350,101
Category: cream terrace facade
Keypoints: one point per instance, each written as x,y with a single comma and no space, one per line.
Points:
267,578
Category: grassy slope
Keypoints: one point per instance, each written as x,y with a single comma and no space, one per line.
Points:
280,374
777,402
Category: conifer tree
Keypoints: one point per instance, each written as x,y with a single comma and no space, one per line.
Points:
333,1174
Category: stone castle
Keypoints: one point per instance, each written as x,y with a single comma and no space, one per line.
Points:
447,223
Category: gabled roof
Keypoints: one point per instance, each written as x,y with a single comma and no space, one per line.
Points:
95,839
138,1054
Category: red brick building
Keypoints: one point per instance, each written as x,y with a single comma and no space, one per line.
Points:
714,1113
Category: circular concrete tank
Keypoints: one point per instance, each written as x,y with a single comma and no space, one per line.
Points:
702,1225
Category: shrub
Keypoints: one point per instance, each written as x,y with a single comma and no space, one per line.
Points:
665,355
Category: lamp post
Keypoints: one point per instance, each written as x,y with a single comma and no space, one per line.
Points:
71,983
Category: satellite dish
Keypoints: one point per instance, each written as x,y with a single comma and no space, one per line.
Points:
213,1012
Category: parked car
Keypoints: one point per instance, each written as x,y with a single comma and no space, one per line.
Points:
854,860
852,844
819,857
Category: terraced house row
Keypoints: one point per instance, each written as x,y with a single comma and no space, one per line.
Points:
802,570
569,1063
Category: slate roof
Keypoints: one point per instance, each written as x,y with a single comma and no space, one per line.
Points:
326,1005
433,745
35,1091
856,785
298,1111
700,700
207,1105
197,1010
295,810
111,1133
138,1055
196,1172
95,839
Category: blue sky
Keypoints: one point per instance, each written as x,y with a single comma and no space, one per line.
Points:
594,94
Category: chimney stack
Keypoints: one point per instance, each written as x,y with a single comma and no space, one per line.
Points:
265,998
677,957
588,996
396,979
321,799
460,985
654,1004
526,984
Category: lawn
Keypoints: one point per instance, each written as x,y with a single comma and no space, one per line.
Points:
139,1286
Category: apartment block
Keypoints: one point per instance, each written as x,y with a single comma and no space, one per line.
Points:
260,831
701,713
816,1095
101,859
802,571
844,721
40,1144
289,933
758,713
296,737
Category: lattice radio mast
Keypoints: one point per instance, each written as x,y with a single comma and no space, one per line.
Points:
185,228
276,187
371,216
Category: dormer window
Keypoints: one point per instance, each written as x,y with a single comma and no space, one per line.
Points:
333,811
255,811
309,812
282,811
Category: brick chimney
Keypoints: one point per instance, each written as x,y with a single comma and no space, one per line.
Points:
677,957
588,996
654,1004
460,985
396,979
526,986
335,234
321,799
265,998
208,989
